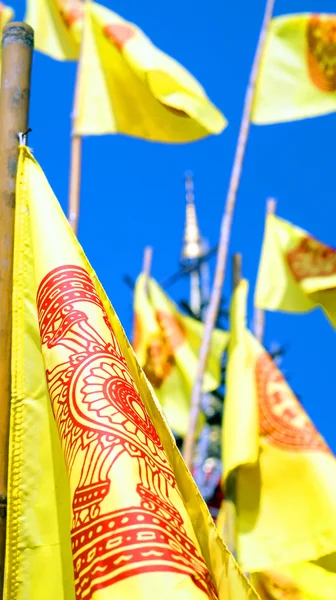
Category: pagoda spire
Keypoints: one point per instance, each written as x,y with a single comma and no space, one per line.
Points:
193,246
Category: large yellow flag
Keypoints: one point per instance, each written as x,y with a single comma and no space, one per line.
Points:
57,26
314,580
297,78
297,273
138,527
286,474
126,85
167,345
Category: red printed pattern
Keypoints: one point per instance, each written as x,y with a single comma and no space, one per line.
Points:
102,420
311,258
283,421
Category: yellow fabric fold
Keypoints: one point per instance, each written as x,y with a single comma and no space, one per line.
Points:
167,344
304,581
127,85
138,526
285,472
297,77
297,273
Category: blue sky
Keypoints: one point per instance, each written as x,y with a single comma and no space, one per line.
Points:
133,191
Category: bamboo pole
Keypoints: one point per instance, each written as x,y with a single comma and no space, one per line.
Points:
230,535
17,49
259,314
224,240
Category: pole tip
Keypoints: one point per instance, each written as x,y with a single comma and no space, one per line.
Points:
18,33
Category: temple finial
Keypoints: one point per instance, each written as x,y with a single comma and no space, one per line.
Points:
193,247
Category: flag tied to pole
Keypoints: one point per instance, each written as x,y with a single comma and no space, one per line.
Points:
285,472
100,503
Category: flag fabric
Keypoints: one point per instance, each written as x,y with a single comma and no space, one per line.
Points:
167,344
6,15
297,273
285,472
127,85
304,581
106,484
297,77
57,26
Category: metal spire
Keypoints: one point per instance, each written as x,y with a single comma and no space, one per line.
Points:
193,246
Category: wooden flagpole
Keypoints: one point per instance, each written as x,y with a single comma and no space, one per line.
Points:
230,536
223,247
259,314
17,50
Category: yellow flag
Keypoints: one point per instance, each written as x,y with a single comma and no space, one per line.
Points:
297,273
297,78
57,26
167,344
138,526
304,581
286,474
6,14
126,85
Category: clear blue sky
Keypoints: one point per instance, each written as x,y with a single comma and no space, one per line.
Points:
133,191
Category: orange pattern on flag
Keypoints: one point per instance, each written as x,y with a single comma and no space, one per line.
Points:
71,11
119,34
275,586
283,422
161,346
311,258
102,420
321,52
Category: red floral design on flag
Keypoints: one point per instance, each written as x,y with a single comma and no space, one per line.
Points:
321,51
102,421
311,258
283,421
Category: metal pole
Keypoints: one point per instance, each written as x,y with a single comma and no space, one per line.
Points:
75,150
17,49
259,313
147,265
223,247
